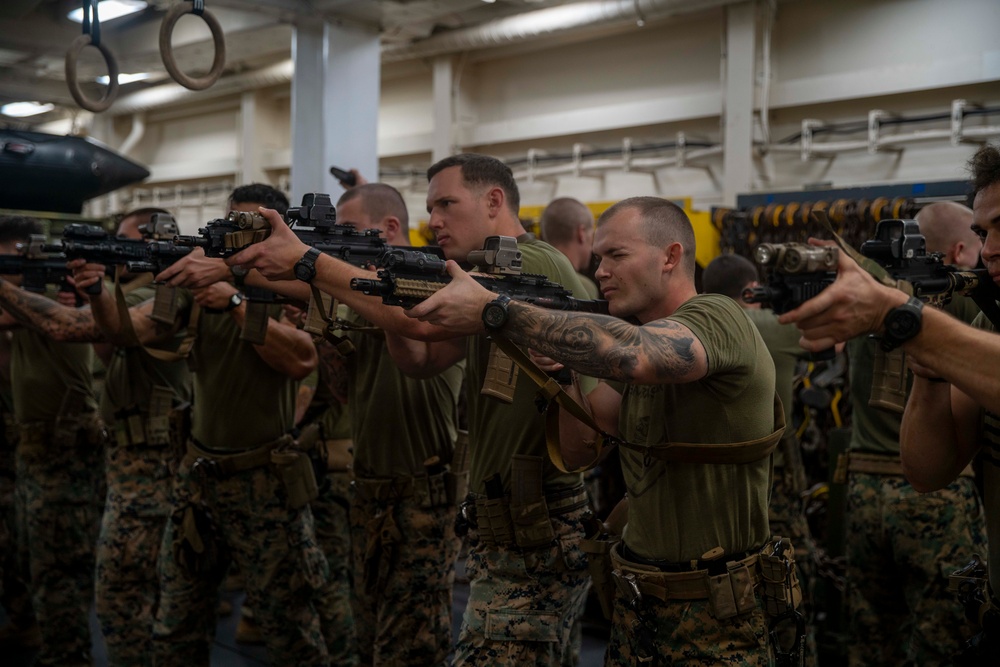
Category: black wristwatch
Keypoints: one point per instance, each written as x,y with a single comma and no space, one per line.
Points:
305,268
495,313
234,302
902,323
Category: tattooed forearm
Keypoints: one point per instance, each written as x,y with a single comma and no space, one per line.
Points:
607,347
49,318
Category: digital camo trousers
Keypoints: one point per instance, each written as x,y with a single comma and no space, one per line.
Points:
901,547
274,547
524,604
128,584
59,493
404,570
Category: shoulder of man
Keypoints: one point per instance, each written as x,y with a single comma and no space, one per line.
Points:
541,258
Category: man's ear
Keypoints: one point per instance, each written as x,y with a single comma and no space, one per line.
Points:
672,256
581,234
495,200
392,227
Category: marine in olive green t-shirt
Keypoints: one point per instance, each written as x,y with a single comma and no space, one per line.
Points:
47,377
397,422
132,374
680,511
498,430
240,402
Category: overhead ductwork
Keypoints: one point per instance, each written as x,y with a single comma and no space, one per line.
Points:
173,93
546,23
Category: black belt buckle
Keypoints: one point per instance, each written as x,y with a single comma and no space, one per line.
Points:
204,469
466,517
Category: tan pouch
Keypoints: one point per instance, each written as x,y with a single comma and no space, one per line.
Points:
600,566
493,518
297,477
781,589
339,455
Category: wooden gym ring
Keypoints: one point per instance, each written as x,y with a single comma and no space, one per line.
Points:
167,50
73,83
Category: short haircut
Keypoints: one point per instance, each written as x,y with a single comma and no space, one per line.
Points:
728,275
260,193
482,172
380,201
18,228
663,222
145,211
985,168
945,223
562,217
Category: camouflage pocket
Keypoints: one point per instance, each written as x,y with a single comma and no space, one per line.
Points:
522,625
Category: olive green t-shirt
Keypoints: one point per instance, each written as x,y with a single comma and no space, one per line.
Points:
498,430
239,401
590,290
782,342
397,422
990,456
132,373
44,373
679,511
875,429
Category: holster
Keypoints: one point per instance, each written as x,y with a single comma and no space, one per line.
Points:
781,592
599,564
198,549
529,512
295,472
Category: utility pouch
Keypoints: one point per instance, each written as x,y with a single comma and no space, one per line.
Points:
501,376
179,423
161,400
456,485
600,566
430,491
493,517
741,581
297,477
255,322
528,510
721,597
889,380
319,313
165,304
781,590
840,472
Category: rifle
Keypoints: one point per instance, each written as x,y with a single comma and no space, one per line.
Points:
223,237
798,272
137,255
407,277
39,267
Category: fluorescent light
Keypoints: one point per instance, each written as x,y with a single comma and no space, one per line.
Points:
124,78
23,109
109,10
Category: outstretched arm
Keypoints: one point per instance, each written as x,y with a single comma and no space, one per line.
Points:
51,319
275,259
596,345
856,304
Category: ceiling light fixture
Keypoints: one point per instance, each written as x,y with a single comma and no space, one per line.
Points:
25,109
109,10
124,78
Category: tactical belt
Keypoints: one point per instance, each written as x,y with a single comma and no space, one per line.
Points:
498,526
559,502
40,435
647,580
427,491
221,464
877,464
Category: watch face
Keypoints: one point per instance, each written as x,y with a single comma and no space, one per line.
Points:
904,324
494,316
304,272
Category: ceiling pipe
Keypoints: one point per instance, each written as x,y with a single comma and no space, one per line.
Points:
546,23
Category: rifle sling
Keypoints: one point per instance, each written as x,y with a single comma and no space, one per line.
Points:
679,452
125,320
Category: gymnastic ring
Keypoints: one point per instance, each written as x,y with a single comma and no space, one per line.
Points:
110,94
167,51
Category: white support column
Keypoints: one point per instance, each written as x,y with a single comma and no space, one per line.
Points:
738,101
308,163
350,103
251,169
442,143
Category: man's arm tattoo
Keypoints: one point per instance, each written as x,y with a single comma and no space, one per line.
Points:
603,346
50,318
